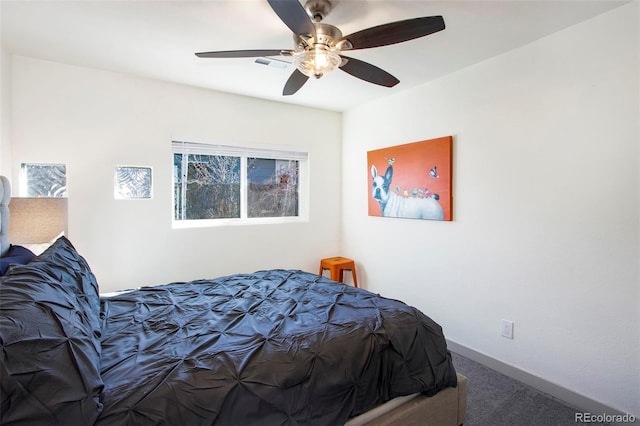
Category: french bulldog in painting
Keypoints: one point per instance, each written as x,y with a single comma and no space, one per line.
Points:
393,205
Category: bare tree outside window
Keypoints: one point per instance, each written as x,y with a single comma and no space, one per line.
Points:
237,185
273,187
207,186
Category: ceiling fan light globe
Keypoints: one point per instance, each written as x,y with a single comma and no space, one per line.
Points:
316,62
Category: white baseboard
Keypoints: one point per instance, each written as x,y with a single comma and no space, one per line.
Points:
570,397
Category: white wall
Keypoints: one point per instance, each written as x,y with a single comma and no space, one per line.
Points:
5,109
546,207
93,120
5,112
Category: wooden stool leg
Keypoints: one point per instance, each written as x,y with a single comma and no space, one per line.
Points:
355,280
336,273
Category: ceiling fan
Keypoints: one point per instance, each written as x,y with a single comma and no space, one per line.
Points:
318,46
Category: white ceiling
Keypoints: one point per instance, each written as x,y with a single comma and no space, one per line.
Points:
158,39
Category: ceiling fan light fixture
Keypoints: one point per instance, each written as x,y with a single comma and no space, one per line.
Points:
318,46
317,61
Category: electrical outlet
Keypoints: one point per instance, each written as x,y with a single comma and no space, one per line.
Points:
506,329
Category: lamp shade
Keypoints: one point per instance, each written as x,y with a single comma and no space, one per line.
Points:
37,220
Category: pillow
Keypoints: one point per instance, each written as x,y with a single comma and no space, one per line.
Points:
39,248
50,337
16,255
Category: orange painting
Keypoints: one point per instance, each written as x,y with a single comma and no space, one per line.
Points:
412,180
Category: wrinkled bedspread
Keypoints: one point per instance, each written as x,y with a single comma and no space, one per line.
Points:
275,347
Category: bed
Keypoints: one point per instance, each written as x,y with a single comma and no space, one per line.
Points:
275,347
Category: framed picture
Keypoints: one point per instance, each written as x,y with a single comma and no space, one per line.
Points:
412,180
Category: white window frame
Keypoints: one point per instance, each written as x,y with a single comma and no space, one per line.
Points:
244,152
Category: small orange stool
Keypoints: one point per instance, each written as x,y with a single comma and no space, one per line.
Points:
337,265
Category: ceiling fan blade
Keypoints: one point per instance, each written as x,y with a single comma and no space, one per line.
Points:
367,72
292,13
243,53
394,32
295,82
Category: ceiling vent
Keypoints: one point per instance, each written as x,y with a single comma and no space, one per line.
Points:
274,63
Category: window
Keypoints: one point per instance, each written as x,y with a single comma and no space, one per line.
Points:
225,185
132,183
43,180
272,187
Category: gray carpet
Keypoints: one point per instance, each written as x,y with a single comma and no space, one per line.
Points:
496,400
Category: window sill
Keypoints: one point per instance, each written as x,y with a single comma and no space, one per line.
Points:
214,223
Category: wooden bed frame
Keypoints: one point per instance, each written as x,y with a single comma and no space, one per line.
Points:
446,408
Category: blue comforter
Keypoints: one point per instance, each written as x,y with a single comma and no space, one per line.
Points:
276,347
